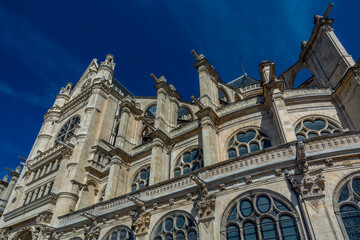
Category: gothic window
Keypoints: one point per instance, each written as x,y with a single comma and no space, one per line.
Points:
68,129
141,179
246,141
347,206
151,112
119,233
260,215
176,225
316,126
184,116
190,160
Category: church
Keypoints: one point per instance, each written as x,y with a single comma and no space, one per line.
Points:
248,159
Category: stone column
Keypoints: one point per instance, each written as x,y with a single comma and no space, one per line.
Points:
208,78
162,108
209,137
159,162
10,188
116,179
121,135
273,92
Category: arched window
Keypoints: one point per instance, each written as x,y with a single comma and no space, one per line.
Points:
119,233
68,129
184,116
314,126
246,141
141,179
151,112
177,225
347,208
190,160
259,213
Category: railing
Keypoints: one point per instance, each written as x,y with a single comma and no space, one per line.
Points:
239,165
307,92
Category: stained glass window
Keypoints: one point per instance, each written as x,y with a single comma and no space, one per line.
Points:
191,160
176,225
68,129
316,126
119,233
246,141
261,215
348,209
141,179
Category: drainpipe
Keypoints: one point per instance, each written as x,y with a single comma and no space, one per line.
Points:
302,212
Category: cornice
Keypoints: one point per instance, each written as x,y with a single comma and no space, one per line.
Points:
48,199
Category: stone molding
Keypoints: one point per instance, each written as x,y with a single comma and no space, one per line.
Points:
48,199
226,170
307,92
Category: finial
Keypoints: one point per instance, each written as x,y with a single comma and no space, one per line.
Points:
5,178
18,169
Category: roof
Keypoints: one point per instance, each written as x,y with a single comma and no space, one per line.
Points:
243,81
121,87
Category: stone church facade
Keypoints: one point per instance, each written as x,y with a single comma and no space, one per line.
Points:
249,159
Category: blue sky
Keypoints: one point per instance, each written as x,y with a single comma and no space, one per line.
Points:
45,44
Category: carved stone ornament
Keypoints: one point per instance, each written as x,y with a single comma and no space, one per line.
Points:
301,157
92,232
248,179
142,222
205,206
310,185
44,218
4,233
86,85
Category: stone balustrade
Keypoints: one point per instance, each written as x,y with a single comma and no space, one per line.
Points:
243,165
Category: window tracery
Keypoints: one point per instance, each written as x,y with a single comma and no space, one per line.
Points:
68,129
246,141
316,126
176,225
190,160
119,233
141,179
347,207
258,215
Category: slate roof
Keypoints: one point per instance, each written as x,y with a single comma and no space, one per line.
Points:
243,81
121,87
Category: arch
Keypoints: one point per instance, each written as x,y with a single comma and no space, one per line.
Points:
247,140
190,159
223,96
145,135
260,212
301,77
185,115
150,111
68,129
316,125
346,205
102,194
120,232
25,233
177,225
141,178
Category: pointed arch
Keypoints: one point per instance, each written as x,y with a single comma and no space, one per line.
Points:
120,232
185,115
260,212
346,207
176,225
